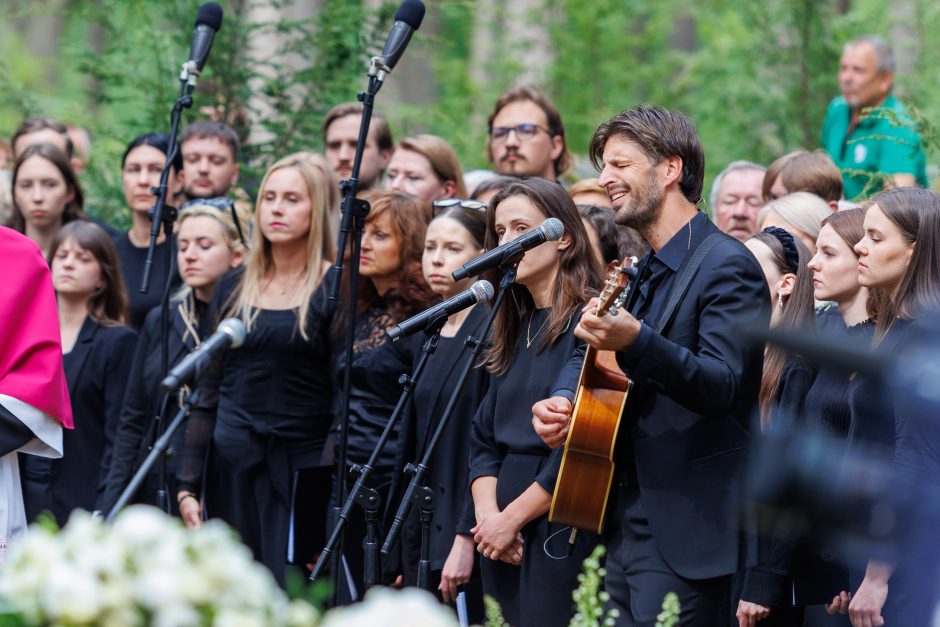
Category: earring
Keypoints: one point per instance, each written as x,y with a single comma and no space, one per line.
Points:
779,300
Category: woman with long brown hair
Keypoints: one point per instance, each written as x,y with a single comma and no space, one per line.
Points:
899,255
97,349
761,588
46,194
267,405
391,289
512,472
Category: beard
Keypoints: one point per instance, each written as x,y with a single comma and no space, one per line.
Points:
644,206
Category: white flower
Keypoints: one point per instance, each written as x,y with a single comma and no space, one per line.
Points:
232,617
384,607
301,614
71,595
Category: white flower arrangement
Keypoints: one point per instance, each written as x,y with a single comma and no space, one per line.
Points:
145,570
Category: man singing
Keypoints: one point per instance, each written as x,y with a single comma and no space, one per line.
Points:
684,433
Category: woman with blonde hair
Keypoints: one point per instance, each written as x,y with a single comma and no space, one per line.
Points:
267,405
208,245
800,213
426,166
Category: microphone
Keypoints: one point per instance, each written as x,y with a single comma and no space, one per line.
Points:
479,292
549,231
407,20
208,23
230,334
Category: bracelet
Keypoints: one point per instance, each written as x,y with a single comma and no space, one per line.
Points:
184,496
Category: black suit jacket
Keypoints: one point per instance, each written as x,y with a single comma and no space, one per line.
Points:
141,405
97,373
686,423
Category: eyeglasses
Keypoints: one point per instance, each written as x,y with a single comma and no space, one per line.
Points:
439,205
525,132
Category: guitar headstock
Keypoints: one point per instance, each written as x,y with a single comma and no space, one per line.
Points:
615,286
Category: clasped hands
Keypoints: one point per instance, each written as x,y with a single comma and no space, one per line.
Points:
550,417
499,537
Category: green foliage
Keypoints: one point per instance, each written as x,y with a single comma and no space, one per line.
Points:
589,600
755,77
669,617
494,613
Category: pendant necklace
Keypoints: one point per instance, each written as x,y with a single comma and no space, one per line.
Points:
528,334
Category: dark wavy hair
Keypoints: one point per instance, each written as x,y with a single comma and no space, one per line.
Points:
916,212
799,313
108,306
661,134
412,293
52,154
578,278
471,219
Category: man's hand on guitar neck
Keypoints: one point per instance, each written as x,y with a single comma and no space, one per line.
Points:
550,418
607,332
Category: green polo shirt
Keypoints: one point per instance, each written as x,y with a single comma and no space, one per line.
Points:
875,145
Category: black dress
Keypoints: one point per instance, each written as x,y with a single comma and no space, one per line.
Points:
768,579
133,260
143,400
267,408
448,466
504,445
374,393
97,371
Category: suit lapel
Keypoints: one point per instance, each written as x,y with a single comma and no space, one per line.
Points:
80,352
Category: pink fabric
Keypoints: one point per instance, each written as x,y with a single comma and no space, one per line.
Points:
30,342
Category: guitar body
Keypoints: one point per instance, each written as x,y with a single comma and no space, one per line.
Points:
587,466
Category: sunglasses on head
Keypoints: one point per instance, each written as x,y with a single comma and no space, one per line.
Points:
439,205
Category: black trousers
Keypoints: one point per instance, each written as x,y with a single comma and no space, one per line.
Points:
638,577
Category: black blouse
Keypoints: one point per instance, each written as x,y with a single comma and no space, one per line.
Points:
133,260
503,442
270,400
448,466
827,401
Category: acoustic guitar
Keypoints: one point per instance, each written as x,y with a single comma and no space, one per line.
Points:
587,467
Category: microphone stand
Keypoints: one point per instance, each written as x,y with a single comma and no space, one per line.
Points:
163,214
163,442
354,212
368,498
417,493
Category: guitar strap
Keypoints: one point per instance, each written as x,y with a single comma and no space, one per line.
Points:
684,280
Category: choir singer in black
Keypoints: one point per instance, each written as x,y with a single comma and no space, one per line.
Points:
684,432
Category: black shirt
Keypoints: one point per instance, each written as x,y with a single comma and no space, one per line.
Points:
132,260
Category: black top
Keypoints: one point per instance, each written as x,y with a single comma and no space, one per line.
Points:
374,391
132,261
827,401
96,369
268,401
448,466
768,579
503,443
141,400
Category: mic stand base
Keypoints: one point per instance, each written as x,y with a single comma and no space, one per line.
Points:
424,499
371,502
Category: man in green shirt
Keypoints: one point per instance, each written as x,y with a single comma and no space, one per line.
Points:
866,130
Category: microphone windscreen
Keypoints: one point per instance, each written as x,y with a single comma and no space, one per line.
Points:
483,290
236,329
210,14
411,12
553,229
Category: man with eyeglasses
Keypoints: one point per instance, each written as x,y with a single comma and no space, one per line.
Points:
526,135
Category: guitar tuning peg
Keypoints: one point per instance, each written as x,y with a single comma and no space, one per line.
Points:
613,310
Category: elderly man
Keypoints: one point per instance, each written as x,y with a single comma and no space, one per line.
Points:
863,143
736,198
